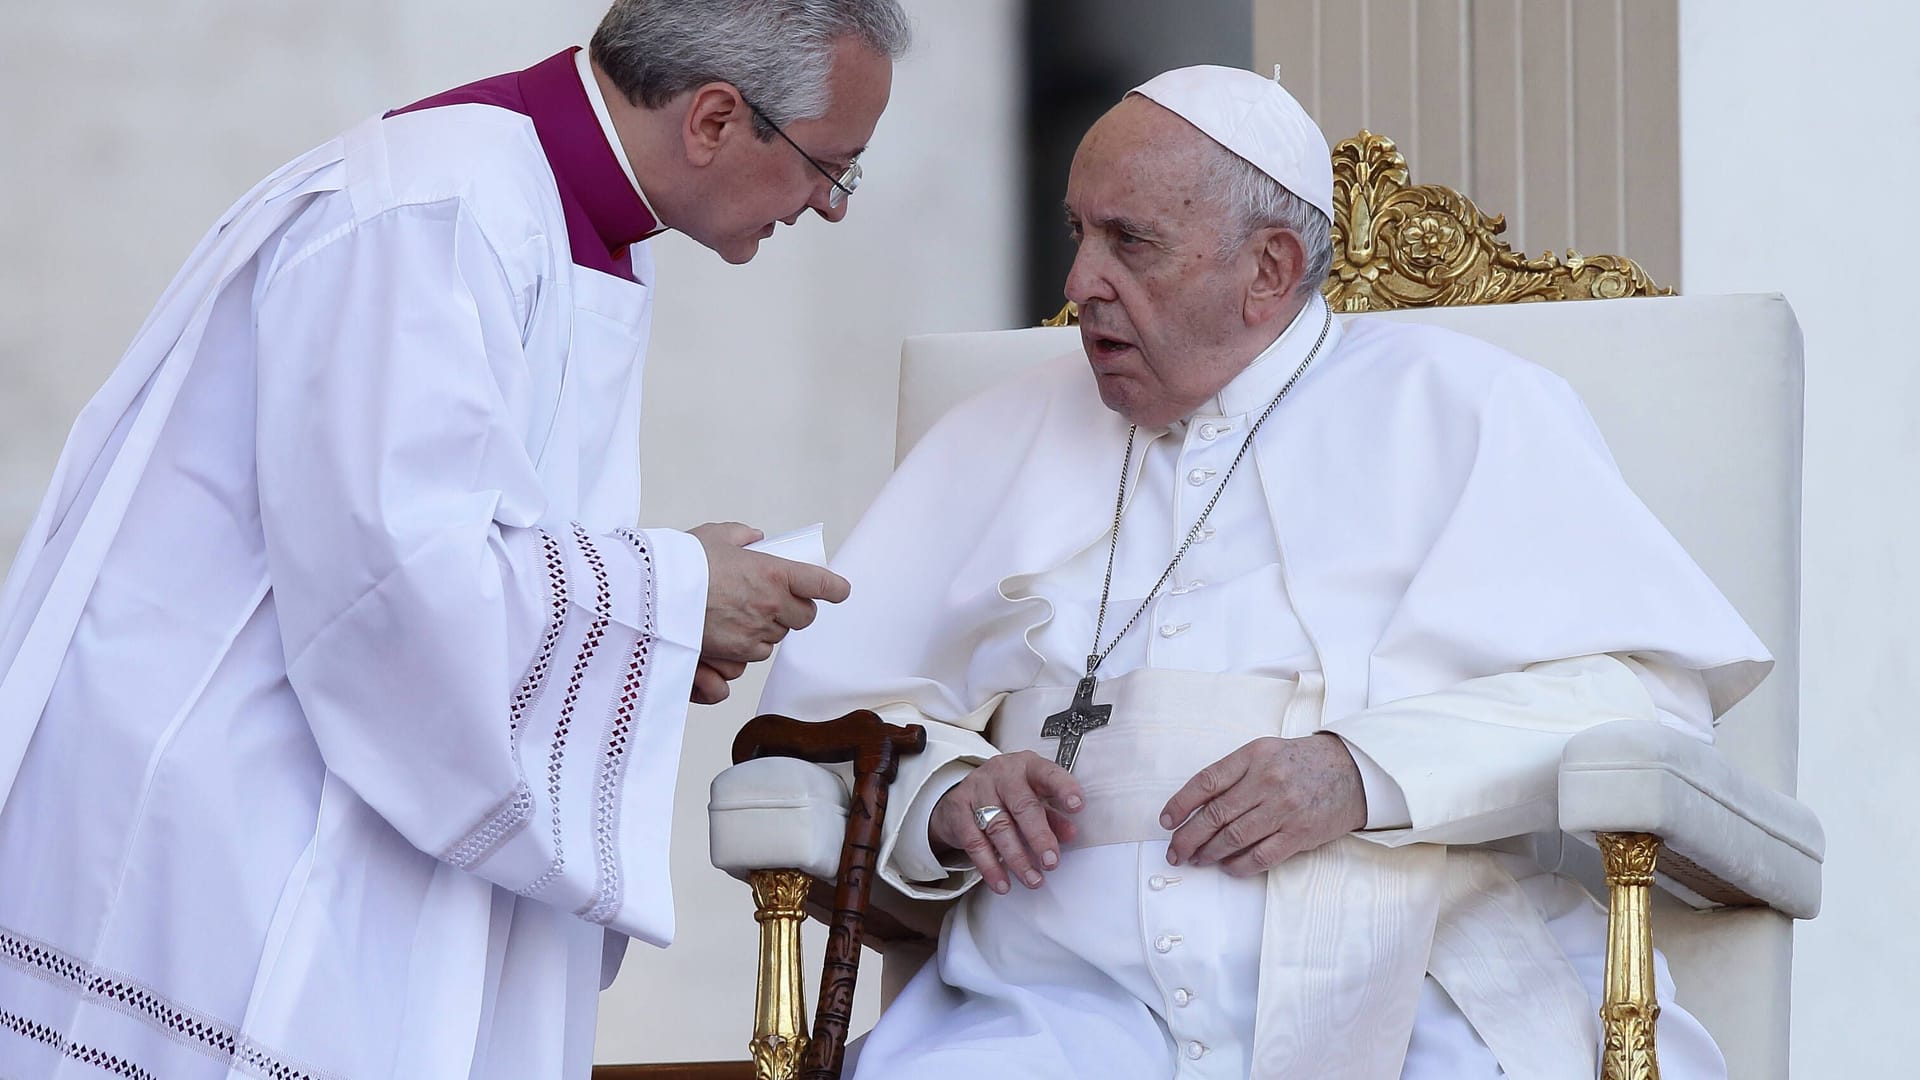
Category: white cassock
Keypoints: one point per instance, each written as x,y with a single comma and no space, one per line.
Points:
341,702
1428,552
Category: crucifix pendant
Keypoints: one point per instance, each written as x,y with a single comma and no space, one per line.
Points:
1076,720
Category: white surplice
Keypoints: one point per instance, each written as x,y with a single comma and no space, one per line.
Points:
1431,544
342,702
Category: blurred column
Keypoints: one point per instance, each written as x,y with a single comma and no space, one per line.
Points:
1083,56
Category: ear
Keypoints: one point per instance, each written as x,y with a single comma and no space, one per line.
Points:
1280,261
715,113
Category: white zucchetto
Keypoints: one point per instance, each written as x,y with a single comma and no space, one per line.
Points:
1256,119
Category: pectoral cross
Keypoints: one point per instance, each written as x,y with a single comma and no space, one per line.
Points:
1076,720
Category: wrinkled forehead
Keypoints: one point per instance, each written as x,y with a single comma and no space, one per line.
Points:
1140,159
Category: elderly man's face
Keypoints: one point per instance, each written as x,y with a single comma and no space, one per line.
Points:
1162,315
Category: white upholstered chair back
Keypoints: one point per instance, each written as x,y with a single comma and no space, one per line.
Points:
1700,399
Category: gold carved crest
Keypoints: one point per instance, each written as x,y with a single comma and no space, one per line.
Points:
1402,245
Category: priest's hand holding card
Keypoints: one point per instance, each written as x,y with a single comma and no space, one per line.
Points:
753,600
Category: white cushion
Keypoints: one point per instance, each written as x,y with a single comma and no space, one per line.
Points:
777,813
1728,838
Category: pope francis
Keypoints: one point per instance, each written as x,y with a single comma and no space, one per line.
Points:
1247,644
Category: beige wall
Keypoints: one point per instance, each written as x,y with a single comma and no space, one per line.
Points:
1790,120
130,124
1560,114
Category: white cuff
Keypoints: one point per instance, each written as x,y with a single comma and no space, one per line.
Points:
947,745
913,857
1386,803
679,586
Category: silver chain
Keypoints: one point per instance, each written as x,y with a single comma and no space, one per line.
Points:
1099,655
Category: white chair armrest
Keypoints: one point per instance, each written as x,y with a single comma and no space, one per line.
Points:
777,813
1727,838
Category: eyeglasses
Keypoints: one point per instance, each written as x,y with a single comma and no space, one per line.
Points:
843,184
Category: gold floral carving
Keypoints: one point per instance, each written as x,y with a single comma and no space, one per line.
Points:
1066,316
1629,1002
1627,1049
1400,245
1629,857
779,1012
779,894
776,1057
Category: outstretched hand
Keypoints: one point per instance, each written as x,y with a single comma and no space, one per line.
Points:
753,601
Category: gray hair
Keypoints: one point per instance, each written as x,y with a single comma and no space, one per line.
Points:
777,52
1253,201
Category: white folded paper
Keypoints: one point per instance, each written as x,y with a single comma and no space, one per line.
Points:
801,545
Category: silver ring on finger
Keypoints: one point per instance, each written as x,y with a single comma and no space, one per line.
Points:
985,816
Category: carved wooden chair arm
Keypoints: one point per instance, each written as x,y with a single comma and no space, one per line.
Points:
807,842
786,814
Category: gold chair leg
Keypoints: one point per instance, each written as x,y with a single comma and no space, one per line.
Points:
779,1007
1629,1007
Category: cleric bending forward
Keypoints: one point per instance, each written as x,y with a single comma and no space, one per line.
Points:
340,698
1247,659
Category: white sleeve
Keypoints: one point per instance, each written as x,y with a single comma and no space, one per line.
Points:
906,858
1481,761
913,856
508,694
1681,700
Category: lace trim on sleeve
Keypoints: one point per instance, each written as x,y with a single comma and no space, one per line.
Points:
610,782
513,811
563,722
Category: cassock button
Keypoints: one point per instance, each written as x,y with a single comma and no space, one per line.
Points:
1170,630
1183,997
1199,476
1157,882
1165,942
1206,534
1196,1050
1209,432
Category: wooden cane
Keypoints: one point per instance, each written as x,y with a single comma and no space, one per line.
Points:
875,748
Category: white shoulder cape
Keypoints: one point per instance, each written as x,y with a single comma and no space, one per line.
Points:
1445,509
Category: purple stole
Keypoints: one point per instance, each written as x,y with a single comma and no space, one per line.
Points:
605,216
